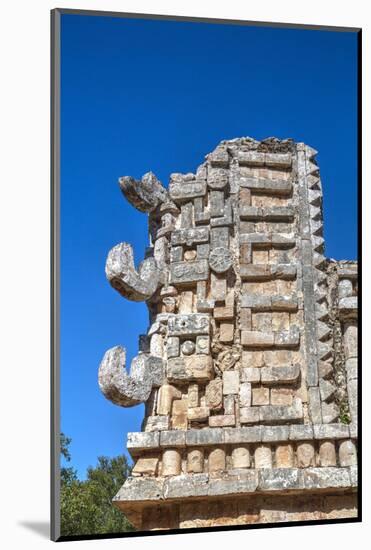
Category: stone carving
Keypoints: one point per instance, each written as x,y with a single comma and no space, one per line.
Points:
220,259
248,369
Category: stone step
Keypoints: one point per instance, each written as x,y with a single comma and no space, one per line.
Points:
261,302
266,186
271,214
266,272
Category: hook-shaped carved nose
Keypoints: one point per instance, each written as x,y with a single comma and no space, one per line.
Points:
122,275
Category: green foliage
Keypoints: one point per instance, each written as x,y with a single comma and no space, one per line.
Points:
86,506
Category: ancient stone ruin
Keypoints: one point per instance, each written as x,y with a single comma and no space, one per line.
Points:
248,370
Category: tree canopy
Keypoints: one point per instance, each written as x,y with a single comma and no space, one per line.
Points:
86,506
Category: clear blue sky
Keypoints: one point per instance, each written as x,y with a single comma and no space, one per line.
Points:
141,95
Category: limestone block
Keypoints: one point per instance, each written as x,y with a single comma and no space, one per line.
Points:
241,457
231,382
281,396
222,420
224,313
189,237
172,438
327,453
250,374
252,359
180,192
193,399
146,466
214,394
185,304
195,461
330,412
156,423
171,462
248,434
203,344
284,456
347,453
305,454
353,399
263,456
351,366
249,415
198,414
205,436
226,332
326,478
331,431
267,186
260,396
194,367
277,414
229,404
189,325
245,394
187,485
138,441
254,339
345,288
166,395
350,340
326,390
300,432
280,375
179,419
216,460
287,339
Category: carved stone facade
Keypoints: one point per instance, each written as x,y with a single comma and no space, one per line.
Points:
249,367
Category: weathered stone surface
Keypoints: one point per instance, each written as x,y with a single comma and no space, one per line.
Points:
156,423
131,284
230,382
241,457
274,433
145,195
129,390
263,457
347,453
255,339
305,454
188,325
222,420
216,460
251,350
194,235
189,272
180,192
195,461
143,440
280,375
327,453
146,466
206,436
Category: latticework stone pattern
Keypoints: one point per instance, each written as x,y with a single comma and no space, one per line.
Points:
248,370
